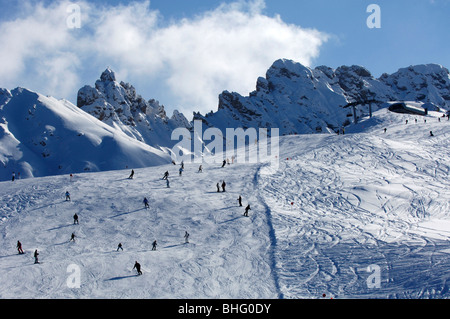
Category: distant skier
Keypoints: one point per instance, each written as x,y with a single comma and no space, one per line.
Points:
67,196
75,219
36,254
240,200
186,237
218,187
385,129
166,175
19,247
72,237
13,177
119,247
224,163
246,210
132,174
146,203
431,133
200,169
154,245
223,186
138,267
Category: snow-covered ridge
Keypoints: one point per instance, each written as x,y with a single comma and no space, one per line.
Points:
298,100
37,132
41,136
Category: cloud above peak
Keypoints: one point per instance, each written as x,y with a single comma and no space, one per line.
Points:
192,59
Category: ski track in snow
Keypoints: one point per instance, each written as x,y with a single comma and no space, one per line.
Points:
338,205
361,200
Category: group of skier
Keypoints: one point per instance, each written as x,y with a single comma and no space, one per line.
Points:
137,266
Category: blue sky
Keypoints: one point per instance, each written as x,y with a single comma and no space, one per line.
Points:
181,54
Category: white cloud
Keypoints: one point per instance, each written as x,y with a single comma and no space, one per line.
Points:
196,58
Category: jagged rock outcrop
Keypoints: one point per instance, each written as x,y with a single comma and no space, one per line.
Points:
118,105
298,99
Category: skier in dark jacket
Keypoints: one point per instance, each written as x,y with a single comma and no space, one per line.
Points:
75,219
246,210
154,245
119,247
166,174
223,186
224,163
72,237
240,200
132,174
19,247
36,254
146,203
138,267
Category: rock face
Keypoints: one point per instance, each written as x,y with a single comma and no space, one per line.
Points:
298,99
118,105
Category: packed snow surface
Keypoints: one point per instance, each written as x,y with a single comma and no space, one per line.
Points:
360,215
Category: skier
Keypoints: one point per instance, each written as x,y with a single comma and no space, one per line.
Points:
19,247
218,188
186,237
223,186
181,170
119,247
13,177
67,196
138,268
240,200
166,175
224,163
72,237
36,254
385,129
132,174
431,133
146,203
75,219
154,245
200,169
246,210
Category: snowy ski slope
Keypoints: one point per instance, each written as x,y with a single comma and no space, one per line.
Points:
337,206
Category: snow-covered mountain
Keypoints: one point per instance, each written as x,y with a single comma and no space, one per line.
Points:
44,136
298,99
41,136
117,104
